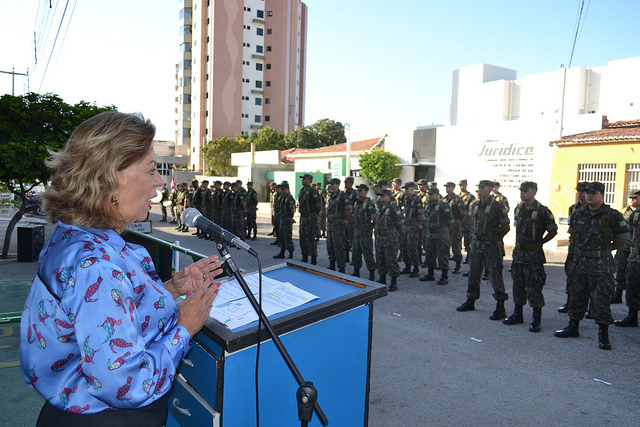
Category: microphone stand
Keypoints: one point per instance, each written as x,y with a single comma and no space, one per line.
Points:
306,394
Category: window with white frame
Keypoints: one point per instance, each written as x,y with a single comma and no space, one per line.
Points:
601,172
632,179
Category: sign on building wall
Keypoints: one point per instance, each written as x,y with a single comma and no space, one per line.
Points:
339,167
511,163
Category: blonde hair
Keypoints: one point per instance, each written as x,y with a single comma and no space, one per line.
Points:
84,181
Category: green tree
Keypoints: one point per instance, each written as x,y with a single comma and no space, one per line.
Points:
379,164
267,139
30,125
217,154
303,137
329,132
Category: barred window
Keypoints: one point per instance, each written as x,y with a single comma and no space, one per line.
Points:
601,172
632,179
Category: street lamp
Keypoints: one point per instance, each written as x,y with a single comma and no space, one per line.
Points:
348,126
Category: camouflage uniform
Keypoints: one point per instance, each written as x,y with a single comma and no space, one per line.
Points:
207,204
322,219
165,196
633,265
309,205
486,221
352,196
364,212
437,220
467,199
252,211
227,200
591,270
180,200
238,209
622,255
218,195
388,218
455,232
197,199
413,212
527,270
337,205
276,215
286,207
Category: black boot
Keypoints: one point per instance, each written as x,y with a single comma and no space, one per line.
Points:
588,315
468,305
516,317
466,259
572,330
407,269
346,256
603,337
383,279
458,269
565,307
416,272
356,272
630,321
372,275
535,320
617,296
332,265
274,243
290,255
341,270
314,260
305,258
394,284
280,255
429,277
499,313
444,279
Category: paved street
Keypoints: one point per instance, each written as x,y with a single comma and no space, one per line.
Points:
431,365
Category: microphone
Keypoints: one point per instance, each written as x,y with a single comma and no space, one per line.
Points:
193,218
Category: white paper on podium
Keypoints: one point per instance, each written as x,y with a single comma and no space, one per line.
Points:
233,309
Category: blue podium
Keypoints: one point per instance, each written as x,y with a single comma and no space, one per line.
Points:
328,338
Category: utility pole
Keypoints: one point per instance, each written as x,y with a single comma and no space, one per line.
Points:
13,78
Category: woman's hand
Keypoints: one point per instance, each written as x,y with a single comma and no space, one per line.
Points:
191,277
195,309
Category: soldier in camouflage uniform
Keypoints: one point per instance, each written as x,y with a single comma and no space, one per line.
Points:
272,200
276,213
165,196
286,208
309,205
489,225
197,201
218,195
180,206
596,229
535,226
352,196
398,198
622,254
338,212
364,214
252,211
438,220
322,218
424,198
207,206
238,210
468,199
459,212
227,200
389,222
633,271
413,215
499,196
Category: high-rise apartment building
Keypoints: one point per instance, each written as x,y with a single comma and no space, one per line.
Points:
242,67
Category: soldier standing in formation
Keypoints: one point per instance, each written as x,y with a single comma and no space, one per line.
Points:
455,232
622,254
389,222
352,196
276,213
272,201
217,196
322,219
438,220
424,198
398,198
227,200
499,196
238,210
165,197
364,214
581,201
252,211
535,226
286,208
633,271
338,212
413,216
207,207
197,200
489,225
309,205
468,199
596,229
180,206
172,197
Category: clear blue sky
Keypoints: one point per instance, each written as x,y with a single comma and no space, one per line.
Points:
384,67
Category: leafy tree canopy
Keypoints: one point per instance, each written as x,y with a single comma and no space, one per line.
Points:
217,154
379,164
266,139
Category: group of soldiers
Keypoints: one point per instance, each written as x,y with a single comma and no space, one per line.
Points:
227,204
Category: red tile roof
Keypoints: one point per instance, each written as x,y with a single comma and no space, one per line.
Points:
289,156
622,131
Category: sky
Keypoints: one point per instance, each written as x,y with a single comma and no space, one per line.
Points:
383,67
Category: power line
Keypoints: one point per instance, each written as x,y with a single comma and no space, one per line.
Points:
54,45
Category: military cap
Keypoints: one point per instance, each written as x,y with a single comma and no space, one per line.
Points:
385,192
194,182
433,190
462,182
273,184
582,186
184,184
218,182
349,179
450,184
595,186
409,184
334,181
318,183
249,182
398,181
528,185
422,182
226,183
433,184
496,184
383,182
634,193
362,187
284,184
235,184
307,176
485,183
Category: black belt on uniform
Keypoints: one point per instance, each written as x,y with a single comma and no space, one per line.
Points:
592,254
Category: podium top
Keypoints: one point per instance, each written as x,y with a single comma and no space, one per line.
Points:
337,293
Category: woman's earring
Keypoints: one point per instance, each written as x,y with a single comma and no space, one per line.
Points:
114,199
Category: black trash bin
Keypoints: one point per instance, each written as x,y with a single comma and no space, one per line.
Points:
30,242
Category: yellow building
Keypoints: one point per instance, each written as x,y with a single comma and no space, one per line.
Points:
610,155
